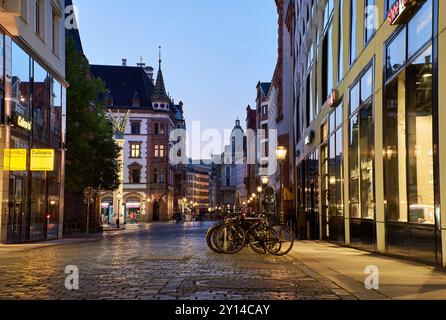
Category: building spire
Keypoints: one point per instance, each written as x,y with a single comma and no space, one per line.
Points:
160,93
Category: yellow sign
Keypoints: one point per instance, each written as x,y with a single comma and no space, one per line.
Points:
21,122
42,160
15,160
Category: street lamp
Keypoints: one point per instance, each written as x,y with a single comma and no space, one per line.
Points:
281,154
119,197
265,180
260,190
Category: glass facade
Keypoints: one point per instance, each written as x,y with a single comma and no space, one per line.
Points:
408,142
36,123
378,141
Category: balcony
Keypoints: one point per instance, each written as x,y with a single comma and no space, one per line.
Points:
9,11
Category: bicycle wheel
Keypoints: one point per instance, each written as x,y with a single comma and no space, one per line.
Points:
210,238
255,244
230,238
281,241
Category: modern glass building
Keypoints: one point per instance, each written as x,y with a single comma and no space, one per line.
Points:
371,161
33,115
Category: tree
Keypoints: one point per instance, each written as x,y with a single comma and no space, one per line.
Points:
92,155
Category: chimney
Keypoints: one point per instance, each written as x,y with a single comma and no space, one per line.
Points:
149,72
124,62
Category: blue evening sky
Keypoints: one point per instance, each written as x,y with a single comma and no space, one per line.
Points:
213,52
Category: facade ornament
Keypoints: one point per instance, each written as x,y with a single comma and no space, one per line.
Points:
119,123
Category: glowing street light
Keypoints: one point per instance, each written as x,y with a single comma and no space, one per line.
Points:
265,180
281,153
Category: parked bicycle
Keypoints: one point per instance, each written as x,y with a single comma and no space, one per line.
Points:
236,233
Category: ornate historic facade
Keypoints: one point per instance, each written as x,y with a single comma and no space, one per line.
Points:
148,191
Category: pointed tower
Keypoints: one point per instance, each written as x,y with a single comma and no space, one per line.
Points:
160,99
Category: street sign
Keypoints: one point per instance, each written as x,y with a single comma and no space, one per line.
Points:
42,160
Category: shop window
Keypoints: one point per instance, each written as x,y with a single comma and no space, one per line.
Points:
41,100
332,121
354,98
339,115
310,112
56,112
370,21
396,54
328,12
420,28
367,85
408,142
20,86
327,63
335,149
38,202
361,149
341,42
353,31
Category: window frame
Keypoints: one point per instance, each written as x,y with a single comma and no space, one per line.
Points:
356,113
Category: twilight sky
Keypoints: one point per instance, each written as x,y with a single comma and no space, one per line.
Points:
214,51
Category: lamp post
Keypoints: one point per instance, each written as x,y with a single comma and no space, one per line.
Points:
281,154
265,180
260,190
89,194
119,197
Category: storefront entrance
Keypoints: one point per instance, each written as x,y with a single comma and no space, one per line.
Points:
17,210
107,211
133,211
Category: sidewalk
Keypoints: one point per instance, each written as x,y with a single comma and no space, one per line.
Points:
13,248
399,279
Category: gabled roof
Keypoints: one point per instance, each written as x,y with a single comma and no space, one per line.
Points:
123,82
265,86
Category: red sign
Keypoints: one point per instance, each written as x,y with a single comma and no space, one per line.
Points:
399,10
333,98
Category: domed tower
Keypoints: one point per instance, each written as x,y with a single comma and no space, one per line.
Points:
238,143
160,99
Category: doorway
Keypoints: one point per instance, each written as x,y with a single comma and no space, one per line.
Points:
17,210
156,211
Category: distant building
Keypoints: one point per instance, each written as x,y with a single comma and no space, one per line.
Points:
149,179
196,179
229,173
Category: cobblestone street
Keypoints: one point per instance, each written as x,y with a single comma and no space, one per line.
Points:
160,261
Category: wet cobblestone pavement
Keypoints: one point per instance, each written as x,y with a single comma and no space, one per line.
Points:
160,261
